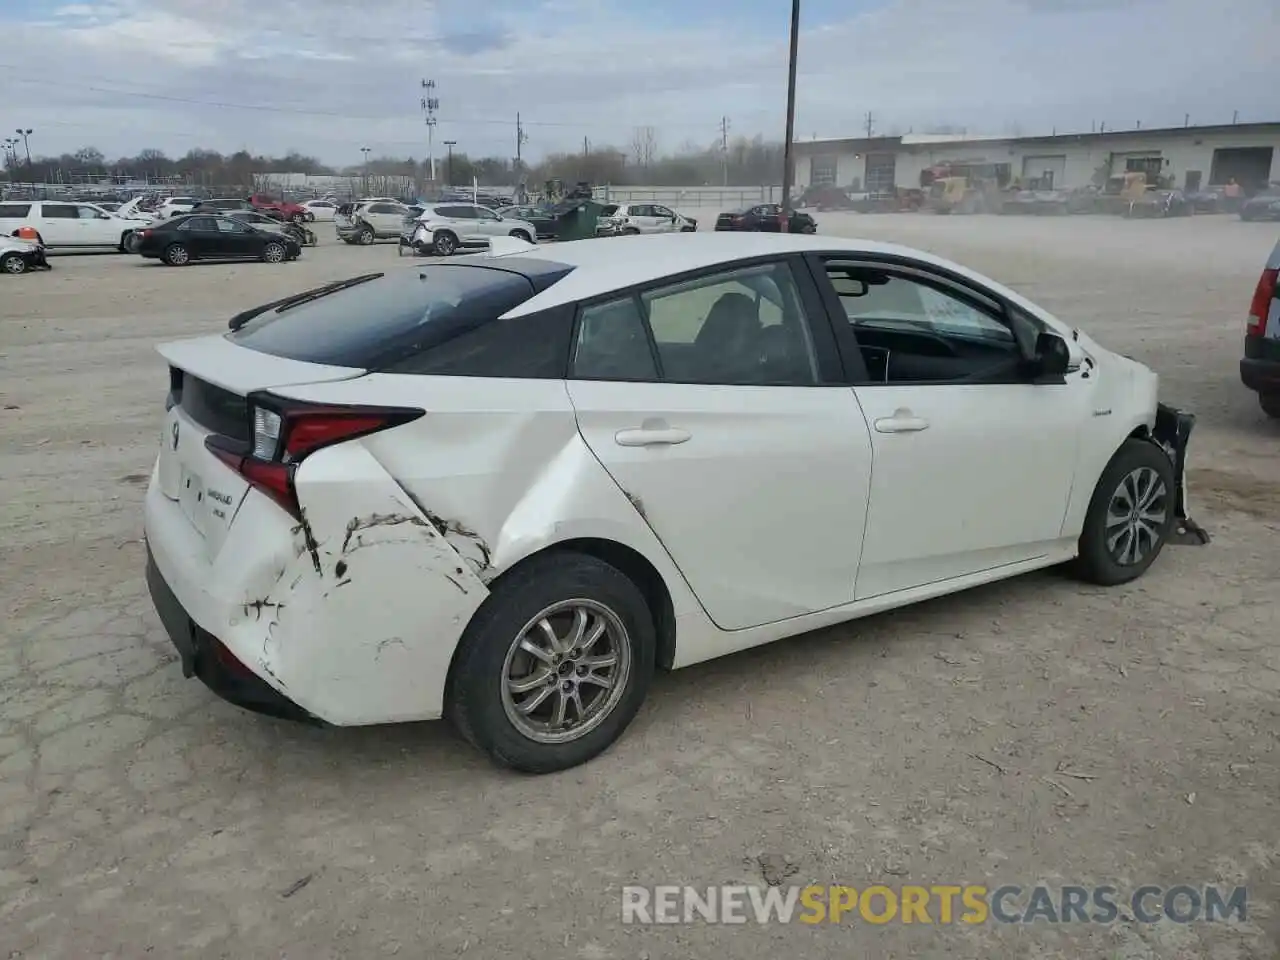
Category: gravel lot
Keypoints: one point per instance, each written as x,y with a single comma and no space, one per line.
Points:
140,817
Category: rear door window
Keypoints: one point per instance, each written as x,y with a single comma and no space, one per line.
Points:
61,211
14,211
388,320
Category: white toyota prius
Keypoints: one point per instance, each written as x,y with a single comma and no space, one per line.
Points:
506,488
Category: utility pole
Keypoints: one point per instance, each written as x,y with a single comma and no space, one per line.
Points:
450,144
788,160
1235,117
429,107
521,139
871,124
724,148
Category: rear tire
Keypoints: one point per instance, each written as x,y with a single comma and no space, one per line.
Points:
176,255
483,700
124,241
1129,516
13,264
1270,403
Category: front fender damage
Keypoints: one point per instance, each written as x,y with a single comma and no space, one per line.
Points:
1172,432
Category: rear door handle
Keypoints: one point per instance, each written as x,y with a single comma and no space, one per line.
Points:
650,437
902,421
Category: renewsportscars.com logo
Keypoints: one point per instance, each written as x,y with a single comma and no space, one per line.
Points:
936,904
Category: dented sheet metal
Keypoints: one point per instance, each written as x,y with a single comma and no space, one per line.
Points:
1173,432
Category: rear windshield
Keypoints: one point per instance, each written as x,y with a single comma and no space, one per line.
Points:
382,321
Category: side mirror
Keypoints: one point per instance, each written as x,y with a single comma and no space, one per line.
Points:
1053,356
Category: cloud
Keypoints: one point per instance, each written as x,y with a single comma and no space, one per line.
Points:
328,77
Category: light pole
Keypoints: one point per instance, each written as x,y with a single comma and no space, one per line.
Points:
26,146
788,161
449,170
366,151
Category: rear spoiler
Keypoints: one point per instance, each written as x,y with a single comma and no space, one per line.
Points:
244,316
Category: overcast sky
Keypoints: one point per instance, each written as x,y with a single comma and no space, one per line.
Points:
326,77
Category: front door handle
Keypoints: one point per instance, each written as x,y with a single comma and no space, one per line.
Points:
651,437
902,421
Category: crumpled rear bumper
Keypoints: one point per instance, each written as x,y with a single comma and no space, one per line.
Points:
1172,433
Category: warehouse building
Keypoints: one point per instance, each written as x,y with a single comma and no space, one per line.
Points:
1190,157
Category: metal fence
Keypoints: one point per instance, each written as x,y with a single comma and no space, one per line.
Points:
683,197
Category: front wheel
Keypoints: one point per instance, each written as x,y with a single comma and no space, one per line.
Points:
554,665
521,235
275,253
366,237
1270,403
1129,516
13,264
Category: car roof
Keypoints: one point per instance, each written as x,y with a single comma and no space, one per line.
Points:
604,265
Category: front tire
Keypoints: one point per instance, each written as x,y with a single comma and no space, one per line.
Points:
522,235
1130,515
13,264
367,236
275,253
1270,403
540,698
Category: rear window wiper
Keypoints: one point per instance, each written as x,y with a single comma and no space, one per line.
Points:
279,306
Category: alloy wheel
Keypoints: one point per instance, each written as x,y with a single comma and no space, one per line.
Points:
274,253
1136,516
566,671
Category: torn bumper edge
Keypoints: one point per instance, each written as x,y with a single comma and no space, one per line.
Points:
1172,432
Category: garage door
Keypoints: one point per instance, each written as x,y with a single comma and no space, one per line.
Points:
822,170
1050,171
881,168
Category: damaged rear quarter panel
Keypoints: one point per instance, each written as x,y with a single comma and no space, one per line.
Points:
369,637
501,468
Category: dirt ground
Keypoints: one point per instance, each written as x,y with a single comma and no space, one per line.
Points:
141,817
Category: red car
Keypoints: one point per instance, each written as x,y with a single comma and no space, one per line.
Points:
285,208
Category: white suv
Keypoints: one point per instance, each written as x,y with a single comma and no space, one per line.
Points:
443,228
370,220
630,218
175,206
66,225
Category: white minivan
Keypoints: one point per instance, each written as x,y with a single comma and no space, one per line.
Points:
69,225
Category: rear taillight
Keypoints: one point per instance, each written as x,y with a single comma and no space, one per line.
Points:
143,234
285,432
1262,296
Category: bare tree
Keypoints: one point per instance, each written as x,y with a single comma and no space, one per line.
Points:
644,146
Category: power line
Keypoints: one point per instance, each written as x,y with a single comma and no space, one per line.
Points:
309,112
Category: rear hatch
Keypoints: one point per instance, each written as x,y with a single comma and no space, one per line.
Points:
209,380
